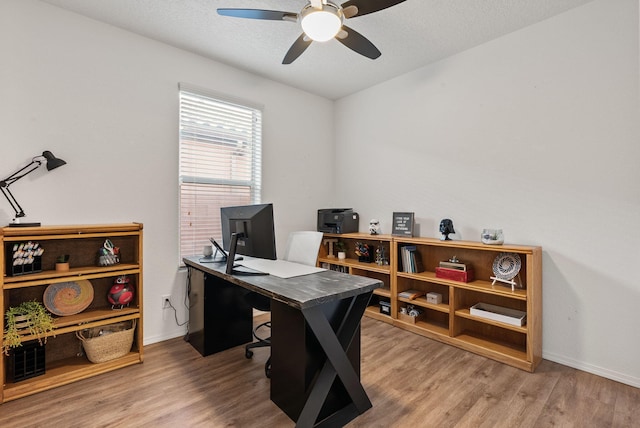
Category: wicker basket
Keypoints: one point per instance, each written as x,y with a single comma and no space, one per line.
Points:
108,342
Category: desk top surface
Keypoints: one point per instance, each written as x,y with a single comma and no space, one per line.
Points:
300,291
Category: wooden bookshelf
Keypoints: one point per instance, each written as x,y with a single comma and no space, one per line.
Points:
451,320
64,361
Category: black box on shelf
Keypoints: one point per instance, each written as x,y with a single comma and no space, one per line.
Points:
23,258
35,266
26,361
385,308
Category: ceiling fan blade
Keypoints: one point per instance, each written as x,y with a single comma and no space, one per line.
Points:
273,15
350,11
296,49
369,6
357,43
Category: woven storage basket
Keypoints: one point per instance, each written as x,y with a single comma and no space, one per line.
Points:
108,342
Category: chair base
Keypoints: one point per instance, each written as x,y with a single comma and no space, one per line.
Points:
261,343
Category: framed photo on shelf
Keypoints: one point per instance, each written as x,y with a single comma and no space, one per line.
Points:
403,224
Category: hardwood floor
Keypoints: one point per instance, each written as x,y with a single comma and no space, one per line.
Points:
412,382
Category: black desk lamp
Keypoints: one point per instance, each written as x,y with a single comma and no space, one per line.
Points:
52,163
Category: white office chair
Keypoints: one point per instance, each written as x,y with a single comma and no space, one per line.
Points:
302,247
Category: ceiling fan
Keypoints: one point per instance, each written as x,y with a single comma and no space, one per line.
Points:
322,20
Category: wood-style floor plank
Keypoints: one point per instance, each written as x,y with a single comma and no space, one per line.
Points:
411,381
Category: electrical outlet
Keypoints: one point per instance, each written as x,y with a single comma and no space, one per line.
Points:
166,302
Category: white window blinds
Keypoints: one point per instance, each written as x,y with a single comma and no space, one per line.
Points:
220,164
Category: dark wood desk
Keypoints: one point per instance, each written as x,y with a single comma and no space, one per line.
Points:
315,338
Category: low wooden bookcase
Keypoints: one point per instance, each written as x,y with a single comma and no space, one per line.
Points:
65,362
451,320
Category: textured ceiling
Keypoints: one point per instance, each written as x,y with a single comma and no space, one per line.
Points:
409,35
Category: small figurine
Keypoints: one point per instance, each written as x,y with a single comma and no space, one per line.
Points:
383,256
446,228
379,256
121,293
363,252
374,226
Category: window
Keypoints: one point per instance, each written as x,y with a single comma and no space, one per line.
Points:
220,164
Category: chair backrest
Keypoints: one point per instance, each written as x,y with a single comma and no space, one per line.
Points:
302,247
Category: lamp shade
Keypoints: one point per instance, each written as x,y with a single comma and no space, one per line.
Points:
52,161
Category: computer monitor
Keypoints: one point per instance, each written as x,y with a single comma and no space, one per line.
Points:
248,230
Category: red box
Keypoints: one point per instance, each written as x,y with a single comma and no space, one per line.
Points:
455,274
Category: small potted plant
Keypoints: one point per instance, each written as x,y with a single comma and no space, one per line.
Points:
341,248
27,318
62,263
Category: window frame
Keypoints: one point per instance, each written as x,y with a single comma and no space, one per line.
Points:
239,137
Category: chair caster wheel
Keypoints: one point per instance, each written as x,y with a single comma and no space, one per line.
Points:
248,354
267,368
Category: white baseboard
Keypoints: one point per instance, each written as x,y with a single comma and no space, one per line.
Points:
168,335
590,368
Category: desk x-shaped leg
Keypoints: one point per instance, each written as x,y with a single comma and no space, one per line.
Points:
334,345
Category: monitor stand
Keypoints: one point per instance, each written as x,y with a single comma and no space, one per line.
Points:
231,258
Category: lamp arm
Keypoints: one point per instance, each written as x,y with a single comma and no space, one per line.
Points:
35,163
12,201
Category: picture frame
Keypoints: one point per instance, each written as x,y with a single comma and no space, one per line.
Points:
403,223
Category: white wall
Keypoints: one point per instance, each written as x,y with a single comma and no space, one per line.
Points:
106,101
536,133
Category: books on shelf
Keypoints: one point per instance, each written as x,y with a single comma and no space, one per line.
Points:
455,269
455,265
337,268
411,294
411,259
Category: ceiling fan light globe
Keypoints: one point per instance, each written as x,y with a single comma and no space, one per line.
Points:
321,25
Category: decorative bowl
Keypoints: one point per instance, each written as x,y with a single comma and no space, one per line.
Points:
492,236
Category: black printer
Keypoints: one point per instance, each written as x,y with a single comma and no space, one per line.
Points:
337,220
